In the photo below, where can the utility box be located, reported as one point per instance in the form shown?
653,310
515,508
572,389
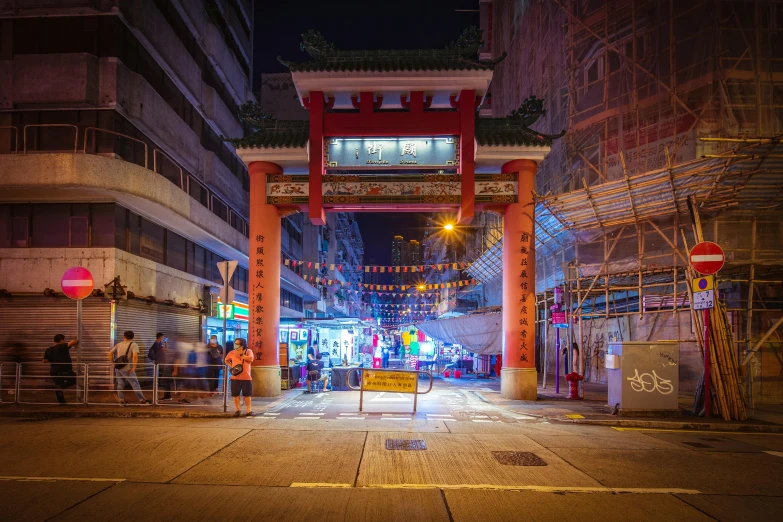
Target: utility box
643,376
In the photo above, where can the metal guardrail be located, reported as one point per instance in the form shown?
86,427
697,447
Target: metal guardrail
75,133
96,130
185,178
16,137
388,381
95,384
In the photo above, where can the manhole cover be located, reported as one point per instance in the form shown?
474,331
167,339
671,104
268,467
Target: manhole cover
697,445
518,458
405,444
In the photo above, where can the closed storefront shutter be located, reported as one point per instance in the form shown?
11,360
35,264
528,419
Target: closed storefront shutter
28,326
180,325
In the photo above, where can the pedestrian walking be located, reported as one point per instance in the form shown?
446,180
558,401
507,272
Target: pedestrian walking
238,361
385,358
159,354
215,357
125,356
61,370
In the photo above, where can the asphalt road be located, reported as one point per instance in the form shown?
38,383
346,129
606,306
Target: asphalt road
317,457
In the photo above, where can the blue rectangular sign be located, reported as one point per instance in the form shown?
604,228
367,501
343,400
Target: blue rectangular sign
374,153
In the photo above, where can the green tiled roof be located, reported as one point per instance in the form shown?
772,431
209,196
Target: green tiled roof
276,134
460,55
393,60
507,131
515,129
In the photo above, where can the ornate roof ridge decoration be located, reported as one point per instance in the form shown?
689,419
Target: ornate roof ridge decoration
458,55
269,132
515,128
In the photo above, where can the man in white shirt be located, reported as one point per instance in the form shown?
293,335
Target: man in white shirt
127,373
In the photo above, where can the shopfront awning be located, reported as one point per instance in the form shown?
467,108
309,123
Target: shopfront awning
481,334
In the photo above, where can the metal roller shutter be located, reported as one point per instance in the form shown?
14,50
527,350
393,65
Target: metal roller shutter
33,321
145,319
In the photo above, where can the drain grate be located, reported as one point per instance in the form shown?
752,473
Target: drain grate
405,444
518,458
697,445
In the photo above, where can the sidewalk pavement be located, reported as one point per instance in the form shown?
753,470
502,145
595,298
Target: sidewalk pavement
198,407
593,409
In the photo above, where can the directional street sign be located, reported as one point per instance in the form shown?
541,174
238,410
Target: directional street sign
77,283
707,257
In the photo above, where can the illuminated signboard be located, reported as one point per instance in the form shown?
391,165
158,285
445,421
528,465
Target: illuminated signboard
374,153
225,310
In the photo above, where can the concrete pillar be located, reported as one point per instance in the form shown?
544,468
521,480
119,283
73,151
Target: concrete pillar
518,379
264,283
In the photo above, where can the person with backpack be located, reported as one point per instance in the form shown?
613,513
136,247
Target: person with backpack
61,370
215,358
125,356
238,362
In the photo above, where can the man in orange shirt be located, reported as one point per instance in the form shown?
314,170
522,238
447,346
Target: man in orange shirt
241,382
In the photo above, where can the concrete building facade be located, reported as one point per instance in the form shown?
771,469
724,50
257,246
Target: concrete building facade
111,117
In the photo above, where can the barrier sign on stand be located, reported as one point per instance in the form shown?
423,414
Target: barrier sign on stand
397,381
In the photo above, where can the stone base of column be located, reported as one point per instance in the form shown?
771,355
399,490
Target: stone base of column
519,384
266,381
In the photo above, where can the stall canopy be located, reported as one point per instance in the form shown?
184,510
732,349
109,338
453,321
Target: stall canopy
479,333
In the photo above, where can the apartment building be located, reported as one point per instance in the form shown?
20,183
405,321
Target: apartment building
111,117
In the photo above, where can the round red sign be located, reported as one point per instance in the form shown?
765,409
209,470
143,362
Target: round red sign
77,283
707,257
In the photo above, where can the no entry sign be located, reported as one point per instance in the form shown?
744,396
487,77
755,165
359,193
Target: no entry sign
77,283
707,257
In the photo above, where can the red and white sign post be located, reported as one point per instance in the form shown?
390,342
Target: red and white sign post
77,283
707,258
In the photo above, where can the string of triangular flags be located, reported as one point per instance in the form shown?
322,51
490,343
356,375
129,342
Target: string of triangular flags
401,305
375,268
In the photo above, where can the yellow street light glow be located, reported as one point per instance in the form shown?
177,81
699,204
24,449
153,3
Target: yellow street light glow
420,287
448,226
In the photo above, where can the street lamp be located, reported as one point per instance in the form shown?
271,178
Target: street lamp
448,226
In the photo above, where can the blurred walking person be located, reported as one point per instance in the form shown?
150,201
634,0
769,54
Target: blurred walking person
159,354
125,356
61,370
215,359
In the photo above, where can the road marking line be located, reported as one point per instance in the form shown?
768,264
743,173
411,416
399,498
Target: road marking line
351,418
311,414
695,432
308,418
481,420
51,479
267,413
542,489
438,414
775,453
353,414
574,416
319,485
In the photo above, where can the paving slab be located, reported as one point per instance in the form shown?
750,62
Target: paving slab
773,442
137,502
462,459
41,500
706,442
280,458
719,473
635,441
154,454
512,506
730,508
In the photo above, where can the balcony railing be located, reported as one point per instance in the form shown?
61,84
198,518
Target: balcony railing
58,138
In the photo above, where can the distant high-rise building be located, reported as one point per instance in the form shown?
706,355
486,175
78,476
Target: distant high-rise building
398,250
412,253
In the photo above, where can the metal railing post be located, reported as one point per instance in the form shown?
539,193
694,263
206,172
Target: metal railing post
18,379
225,388
86,385
155,370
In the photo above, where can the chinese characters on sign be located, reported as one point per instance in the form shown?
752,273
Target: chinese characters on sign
524,245
379,380
257,296
345,153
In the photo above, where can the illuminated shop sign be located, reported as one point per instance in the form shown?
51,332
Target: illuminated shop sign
363,153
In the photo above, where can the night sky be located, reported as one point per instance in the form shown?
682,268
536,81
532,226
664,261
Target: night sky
361,24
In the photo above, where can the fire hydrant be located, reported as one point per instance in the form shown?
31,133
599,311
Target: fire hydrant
573,379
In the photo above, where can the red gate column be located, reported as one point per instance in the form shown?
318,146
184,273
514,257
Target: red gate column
264,282
518,377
